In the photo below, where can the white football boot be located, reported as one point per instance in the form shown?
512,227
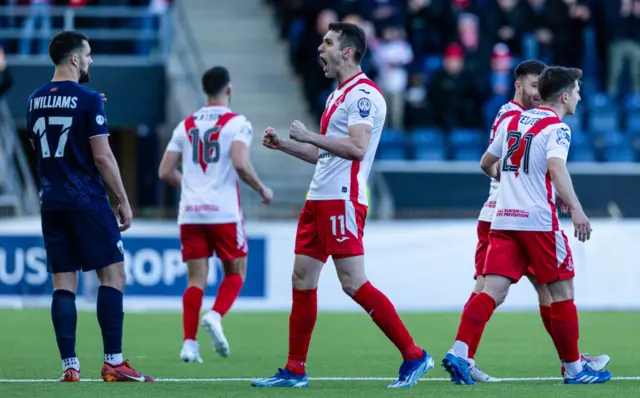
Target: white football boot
190,352
478,375
211,322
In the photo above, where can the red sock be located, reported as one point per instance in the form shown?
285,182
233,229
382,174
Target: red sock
564,325
227,293
385,316
191,304
304,312
473,295
545,314
473,347
474,318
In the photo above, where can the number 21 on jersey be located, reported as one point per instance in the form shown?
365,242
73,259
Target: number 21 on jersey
40,129
518,153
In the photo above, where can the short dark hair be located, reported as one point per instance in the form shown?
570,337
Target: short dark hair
63,44
215,80
529,67
351,36
555,80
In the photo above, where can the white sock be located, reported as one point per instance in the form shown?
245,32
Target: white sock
113,359
71,363
471,362
461,349
573,368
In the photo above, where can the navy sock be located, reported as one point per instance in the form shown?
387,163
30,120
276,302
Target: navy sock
110,318
65,319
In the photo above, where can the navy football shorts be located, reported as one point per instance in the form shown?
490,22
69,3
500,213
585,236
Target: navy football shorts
84,240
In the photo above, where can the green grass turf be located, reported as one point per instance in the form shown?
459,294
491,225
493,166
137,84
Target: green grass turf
343,345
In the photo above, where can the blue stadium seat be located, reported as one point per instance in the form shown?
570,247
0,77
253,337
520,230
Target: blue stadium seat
529,46
632,110
467,144
617,147
428,144
576,121
603,114
582,149
296,30
490,109
432,63
392,145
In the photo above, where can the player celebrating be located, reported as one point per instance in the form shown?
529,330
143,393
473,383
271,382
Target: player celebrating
526,230
214,146
68,129
332,220
526,97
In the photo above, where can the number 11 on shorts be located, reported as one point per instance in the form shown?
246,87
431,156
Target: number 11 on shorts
334,221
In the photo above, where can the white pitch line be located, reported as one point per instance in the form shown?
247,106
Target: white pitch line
217,380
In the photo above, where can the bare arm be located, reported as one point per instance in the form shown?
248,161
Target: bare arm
352,148
562,181
490,164
108,167
306,152
168,170
243,166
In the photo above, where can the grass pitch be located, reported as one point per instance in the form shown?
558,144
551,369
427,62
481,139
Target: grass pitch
349,356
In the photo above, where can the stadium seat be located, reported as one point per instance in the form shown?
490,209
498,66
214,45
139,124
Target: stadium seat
530,47
582,149
603,114
490,109
617,147
467,144
392,145
632,111
432,63
575,121
428,144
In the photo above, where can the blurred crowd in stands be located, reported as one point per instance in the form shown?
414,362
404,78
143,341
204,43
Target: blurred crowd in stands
446,65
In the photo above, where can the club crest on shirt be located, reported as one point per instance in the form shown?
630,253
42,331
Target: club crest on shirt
364,106
563,137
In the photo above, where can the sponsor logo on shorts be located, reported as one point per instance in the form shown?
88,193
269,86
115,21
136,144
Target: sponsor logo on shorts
120,246
342,239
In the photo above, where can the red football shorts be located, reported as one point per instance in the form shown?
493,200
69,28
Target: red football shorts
228,241
511,252
483,246
331,228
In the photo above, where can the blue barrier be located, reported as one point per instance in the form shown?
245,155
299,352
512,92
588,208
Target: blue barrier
154,268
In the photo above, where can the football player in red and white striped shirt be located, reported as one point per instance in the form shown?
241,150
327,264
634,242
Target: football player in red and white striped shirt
526,97
213,145
332,220
525,230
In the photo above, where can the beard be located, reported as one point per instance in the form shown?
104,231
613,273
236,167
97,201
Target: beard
83,76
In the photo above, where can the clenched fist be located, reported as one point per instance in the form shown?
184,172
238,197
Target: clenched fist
298,132
271,139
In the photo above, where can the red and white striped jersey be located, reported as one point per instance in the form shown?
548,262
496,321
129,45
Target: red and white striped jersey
527,196
356,101
509,109
210,192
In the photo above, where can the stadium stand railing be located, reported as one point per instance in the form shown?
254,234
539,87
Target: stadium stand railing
136,26
18,192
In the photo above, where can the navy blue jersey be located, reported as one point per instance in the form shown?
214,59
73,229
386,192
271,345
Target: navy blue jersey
62,118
